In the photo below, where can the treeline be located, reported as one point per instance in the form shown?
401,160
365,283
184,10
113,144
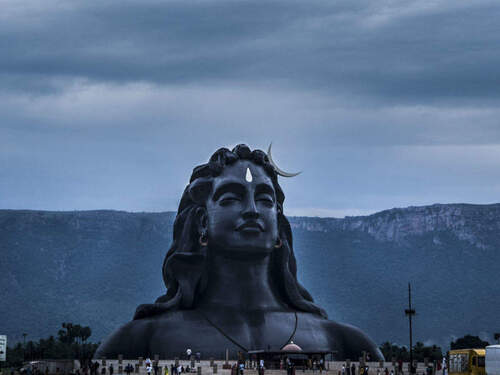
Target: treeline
420,351
71,343
469,341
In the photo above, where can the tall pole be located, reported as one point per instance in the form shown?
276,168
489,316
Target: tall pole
410,312
24,346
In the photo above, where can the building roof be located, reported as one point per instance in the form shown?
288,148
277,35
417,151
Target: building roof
291,347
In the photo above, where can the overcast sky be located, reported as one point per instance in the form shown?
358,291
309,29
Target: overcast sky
381,104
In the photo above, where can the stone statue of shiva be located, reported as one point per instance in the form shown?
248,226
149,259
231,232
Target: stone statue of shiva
231,274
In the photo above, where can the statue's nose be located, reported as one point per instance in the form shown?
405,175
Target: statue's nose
250,211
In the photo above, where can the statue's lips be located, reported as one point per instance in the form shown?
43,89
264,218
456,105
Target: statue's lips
250,226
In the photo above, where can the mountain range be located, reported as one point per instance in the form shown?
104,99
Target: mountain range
95,267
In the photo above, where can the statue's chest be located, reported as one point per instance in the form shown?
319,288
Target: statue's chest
272,331
305,330
212,334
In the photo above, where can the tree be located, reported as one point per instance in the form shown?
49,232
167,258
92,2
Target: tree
66,346
394,351
420,351
468,342
15,356
86,333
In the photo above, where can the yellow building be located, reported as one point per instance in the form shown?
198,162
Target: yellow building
466,362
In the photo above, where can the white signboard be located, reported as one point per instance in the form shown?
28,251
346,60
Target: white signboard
3,348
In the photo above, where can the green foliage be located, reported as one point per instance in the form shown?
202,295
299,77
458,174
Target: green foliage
468,342
70,344
393,351
420,351
73,332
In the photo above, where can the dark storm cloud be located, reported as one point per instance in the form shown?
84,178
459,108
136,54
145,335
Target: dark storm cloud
155,42
396,51
381,104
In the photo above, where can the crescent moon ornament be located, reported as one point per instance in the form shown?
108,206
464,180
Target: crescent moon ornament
279,171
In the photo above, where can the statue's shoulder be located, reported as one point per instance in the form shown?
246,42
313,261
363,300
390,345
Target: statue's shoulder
174,319
353,341
127,340
141,337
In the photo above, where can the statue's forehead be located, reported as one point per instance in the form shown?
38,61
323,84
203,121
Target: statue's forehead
237,172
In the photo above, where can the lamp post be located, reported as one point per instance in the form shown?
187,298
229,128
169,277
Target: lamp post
24,346
409,312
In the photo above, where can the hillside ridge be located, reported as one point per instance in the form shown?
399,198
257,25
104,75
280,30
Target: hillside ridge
95,267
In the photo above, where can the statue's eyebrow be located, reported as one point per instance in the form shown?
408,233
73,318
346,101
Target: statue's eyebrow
228,187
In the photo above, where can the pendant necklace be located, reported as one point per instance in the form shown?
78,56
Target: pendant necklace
221,331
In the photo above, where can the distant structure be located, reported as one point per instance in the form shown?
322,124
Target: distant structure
409,313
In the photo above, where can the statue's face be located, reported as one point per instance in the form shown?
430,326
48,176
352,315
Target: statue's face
242,214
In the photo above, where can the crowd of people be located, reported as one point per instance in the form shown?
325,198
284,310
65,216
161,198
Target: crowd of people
398,370
152,368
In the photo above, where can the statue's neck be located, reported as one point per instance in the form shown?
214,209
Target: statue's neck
240,284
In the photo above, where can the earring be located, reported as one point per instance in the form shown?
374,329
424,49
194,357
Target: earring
203,238
278,244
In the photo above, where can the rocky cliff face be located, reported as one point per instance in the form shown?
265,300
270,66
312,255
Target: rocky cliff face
475,224
95,267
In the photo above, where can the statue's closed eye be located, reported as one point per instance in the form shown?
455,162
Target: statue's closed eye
229,198
265,198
